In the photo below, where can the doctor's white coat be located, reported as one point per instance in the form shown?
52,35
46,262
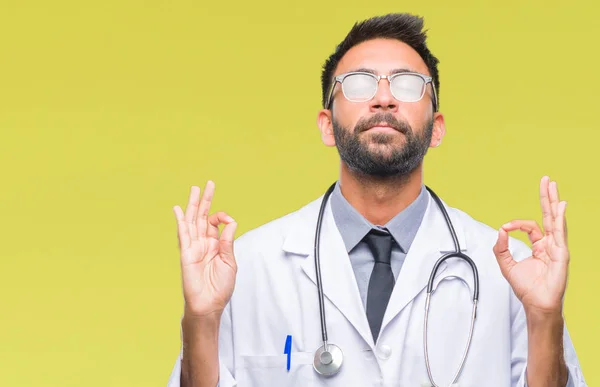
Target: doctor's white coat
276,296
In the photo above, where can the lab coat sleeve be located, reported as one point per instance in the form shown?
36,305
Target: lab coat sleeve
519,338
226,356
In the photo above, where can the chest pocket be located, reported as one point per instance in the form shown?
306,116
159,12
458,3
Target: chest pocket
262,371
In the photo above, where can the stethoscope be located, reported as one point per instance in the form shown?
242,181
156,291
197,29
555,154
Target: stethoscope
329,357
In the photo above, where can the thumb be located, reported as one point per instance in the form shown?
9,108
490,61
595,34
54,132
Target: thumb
226,242
502,253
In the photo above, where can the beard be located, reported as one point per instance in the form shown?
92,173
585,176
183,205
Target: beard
397,162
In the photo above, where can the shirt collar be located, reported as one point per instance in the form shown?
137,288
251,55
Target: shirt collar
353,226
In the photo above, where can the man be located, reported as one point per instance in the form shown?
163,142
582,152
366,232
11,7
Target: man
252,313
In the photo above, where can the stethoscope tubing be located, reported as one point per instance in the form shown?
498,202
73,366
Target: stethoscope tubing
457,253
318,264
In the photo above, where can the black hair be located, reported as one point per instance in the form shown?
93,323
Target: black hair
404,27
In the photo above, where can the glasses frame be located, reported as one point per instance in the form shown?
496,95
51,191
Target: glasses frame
340,78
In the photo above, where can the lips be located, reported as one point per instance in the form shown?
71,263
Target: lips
382,121
383,125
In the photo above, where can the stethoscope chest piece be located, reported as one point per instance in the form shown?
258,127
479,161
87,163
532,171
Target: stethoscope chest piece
328,359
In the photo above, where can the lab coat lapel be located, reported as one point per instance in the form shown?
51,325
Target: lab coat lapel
337,275
433,239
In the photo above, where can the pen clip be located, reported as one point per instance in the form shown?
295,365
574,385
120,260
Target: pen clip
288,350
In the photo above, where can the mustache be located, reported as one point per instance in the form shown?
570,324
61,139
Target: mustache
388,118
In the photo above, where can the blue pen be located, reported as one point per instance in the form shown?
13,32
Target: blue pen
288,351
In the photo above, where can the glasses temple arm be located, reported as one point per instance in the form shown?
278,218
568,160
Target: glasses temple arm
328,101
435,99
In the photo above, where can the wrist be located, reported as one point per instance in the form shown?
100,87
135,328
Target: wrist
204,318
543,318
205,312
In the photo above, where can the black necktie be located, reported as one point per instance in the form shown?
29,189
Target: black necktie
381,282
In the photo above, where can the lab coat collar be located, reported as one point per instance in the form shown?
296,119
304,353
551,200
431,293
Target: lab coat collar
339,283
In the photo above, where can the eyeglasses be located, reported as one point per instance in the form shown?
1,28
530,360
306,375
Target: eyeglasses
359,86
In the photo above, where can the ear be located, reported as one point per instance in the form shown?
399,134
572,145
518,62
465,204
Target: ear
439,130
325,124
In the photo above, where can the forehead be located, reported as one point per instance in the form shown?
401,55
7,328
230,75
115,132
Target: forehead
383,56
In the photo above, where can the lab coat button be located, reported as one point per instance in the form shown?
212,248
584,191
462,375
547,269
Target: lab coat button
384,352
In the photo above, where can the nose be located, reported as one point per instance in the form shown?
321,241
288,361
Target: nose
383,99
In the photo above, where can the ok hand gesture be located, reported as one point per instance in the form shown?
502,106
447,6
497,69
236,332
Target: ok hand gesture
208,264
540,280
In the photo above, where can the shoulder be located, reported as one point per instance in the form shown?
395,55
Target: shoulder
482,236
272,234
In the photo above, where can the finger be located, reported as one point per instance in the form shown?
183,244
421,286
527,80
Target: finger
502,253
560,226
547,219
553,193
529,226
226,242
191,211
182,228
214,221
204,209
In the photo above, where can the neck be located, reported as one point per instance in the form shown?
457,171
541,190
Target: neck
380,199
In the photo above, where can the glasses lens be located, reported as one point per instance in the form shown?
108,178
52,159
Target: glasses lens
408,87
359,87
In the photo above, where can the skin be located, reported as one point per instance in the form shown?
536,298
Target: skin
379,200
208,271
540,282
208,263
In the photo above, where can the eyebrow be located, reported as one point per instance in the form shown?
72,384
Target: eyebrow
395,71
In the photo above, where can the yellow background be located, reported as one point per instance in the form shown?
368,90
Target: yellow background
111,110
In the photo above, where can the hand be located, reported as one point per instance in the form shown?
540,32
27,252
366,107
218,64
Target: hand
208,264
540,280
